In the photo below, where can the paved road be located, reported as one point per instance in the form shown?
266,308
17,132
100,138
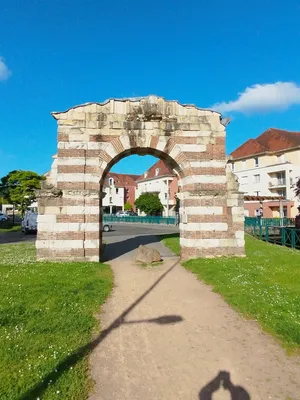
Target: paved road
120,232
165,335
15,237
125,239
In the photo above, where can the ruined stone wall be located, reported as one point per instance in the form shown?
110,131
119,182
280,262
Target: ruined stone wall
93,137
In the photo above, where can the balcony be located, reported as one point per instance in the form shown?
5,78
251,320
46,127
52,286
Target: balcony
277,183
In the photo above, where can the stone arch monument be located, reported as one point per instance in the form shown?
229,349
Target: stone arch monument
92,137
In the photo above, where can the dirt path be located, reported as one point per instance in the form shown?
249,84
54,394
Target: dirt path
145,357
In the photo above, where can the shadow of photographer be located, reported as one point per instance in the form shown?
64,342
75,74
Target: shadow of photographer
222,380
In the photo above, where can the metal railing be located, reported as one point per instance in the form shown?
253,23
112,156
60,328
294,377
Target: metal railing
139,219
280,231
251,221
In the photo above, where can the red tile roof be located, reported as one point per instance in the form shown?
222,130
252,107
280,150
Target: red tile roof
272,140
121,180
163,168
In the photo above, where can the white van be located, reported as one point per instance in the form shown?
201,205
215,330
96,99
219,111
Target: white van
29,222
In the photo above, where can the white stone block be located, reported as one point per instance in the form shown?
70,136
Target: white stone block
46,218
162,141
97,146
193,148
232,202
72,145
194,133
91,244
92,178
93,162
237,211
90,227
203,210
175,152
238,218
111,151
59,244
75,177
239,234
120,107
204,226
124,139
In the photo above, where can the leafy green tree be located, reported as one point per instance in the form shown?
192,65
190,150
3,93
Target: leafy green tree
127,206
149,203
18,188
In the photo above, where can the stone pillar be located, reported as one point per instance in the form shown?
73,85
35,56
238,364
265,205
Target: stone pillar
69,225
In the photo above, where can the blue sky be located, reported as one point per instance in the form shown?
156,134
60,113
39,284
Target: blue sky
60,53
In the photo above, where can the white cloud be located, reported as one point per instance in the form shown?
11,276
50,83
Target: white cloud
4,71
263,98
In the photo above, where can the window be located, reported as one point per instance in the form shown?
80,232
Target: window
282,192
280,158
256,178
166,195
281,178
156,171
244,180
110,200
111,181
232,166
256,162
117,190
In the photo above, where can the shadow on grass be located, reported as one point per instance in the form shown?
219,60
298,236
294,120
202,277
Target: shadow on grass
223,380
169,236
38,390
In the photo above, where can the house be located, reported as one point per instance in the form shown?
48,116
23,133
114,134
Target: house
267,169
119,189
160,179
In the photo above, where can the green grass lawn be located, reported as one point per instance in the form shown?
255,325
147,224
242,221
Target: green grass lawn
47,312
9,228
264,286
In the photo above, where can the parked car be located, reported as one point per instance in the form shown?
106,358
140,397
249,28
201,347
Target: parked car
121,214
29,222
131,213
107,227
3,217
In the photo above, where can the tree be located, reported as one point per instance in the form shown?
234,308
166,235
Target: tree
149,203
18,188
127,206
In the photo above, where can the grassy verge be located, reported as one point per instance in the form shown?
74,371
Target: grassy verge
47,312
9,228
264,286
172,242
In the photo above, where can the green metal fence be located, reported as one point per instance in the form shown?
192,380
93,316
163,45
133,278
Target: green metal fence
280,231
250,221
141,220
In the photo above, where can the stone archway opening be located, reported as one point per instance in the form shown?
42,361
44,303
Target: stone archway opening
158,184
92,137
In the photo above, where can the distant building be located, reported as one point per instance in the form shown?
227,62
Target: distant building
119,189
160,179
268,167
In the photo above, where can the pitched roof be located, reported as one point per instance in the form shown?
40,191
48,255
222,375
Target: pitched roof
163,170
272,140
121,180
